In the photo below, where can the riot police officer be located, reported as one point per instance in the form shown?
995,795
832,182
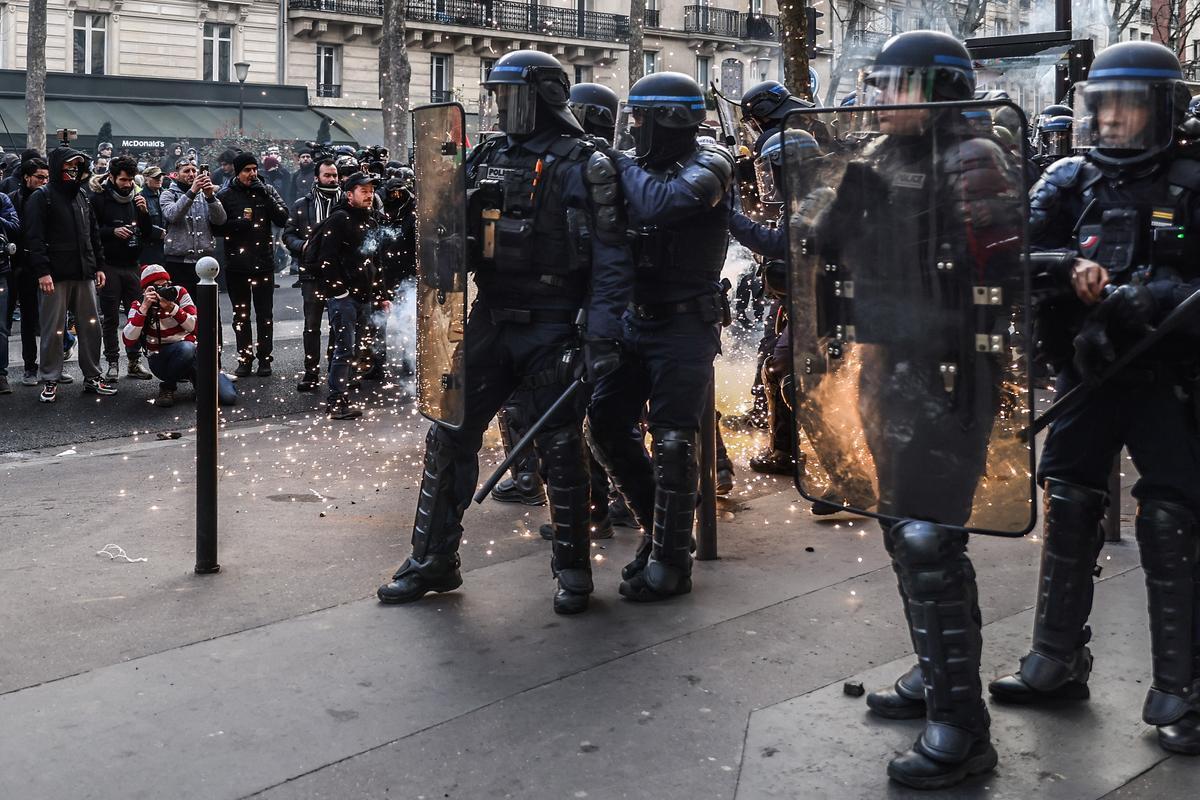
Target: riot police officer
764,107
926,209
1126,213
1053,135
596,107
532,281
677,194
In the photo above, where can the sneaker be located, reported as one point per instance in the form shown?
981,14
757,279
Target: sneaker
308,383
49,392
113,374
264,369
166,397
296,285
232,377
136,370
69,353
341,409
30,378
4,387
65,378
98,386
243,369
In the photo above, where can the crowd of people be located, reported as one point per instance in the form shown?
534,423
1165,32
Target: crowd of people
99,260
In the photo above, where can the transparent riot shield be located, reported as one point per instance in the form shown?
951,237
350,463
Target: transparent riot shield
909,290
439,150
739,138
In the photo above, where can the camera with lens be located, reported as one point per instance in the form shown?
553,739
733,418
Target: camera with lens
168,293
7,249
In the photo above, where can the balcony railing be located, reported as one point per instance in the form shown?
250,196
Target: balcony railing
652,19
440,95
503,15
329,90
712,21
760,27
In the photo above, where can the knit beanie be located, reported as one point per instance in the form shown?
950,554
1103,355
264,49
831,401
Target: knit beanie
152,273
242,161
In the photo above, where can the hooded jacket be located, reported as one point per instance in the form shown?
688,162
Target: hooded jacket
303,179
190,219
250,212
60,228
115,210
349,245
10,226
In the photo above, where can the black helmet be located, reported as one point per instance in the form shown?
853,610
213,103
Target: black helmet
764,105
526,83
666,109
1133,100
595,107
919,67
797,144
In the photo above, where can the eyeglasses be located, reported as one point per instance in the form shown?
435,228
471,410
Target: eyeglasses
40,178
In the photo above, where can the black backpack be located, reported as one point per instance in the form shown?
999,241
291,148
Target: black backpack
310,254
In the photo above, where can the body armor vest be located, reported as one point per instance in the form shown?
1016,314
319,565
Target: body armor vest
527,244
684,259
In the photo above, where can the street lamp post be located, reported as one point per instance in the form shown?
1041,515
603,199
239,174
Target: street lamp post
242,69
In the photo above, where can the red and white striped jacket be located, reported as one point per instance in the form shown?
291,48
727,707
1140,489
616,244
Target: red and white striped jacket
177,327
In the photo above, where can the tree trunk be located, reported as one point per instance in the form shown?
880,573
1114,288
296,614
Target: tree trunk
793,26
395,73
637,58
35,77
835,74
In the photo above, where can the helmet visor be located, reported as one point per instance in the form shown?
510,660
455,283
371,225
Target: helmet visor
1123,119
635,130
592,117
768,191
516,107
894,86
1055,143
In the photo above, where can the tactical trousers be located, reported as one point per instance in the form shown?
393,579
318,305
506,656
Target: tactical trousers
499,357
667,364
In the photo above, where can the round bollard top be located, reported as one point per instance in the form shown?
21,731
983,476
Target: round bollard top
207,269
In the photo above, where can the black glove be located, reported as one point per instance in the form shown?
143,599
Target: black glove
1094,351
1132,307
601,357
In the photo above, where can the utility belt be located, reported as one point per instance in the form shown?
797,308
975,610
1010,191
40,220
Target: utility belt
710,308
533,316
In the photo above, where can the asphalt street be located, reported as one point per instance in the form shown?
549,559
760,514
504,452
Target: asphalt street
76,418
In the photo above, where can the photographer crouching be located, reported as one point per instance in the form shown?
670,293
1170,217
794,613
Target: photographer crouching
164,322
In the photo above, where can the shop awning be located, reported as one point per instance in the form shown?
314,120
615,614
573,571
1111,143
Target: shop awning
362,125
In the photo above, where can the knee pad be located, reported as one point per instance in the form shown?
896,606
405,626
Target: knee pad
931,557
563,458
1072,515
1167,536
676,460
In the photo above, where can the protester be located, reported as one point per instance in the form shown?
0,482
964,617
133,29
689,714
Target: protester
66,254
191,210
251,209
275,175
152,247
10,228
163,322
22,280
352,282
304,176
122,216
308,213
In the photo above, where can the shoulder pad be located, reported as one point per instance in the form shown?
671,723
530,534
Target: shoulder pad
604,192
709,172
1071,172
1185,173
571,147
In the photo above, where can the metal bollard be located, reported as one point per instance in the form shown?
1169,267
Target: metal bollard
206,416
706,514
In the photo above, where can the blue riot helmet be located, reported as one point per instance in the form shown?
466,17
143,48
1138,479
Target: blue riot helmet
919,67
1054,136
665,110
1132,102
531,91
595,106
768,164
764,105
849,100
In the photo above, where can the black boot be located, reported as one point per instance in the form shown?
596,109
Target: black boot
668,571
1059,663
1169,542
905,699
418,577
562,452
524,488
437,528
943,609
623,457
525,484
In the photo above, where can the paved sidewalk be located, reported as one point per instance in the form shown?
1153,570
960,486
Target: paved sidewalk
282,677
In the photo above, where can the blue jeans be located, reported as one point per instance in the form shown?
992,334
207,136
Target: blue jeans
176,362
4,301
347,317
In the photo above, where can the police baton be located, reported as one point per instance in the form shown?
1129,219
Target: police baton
1080,393
520,446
